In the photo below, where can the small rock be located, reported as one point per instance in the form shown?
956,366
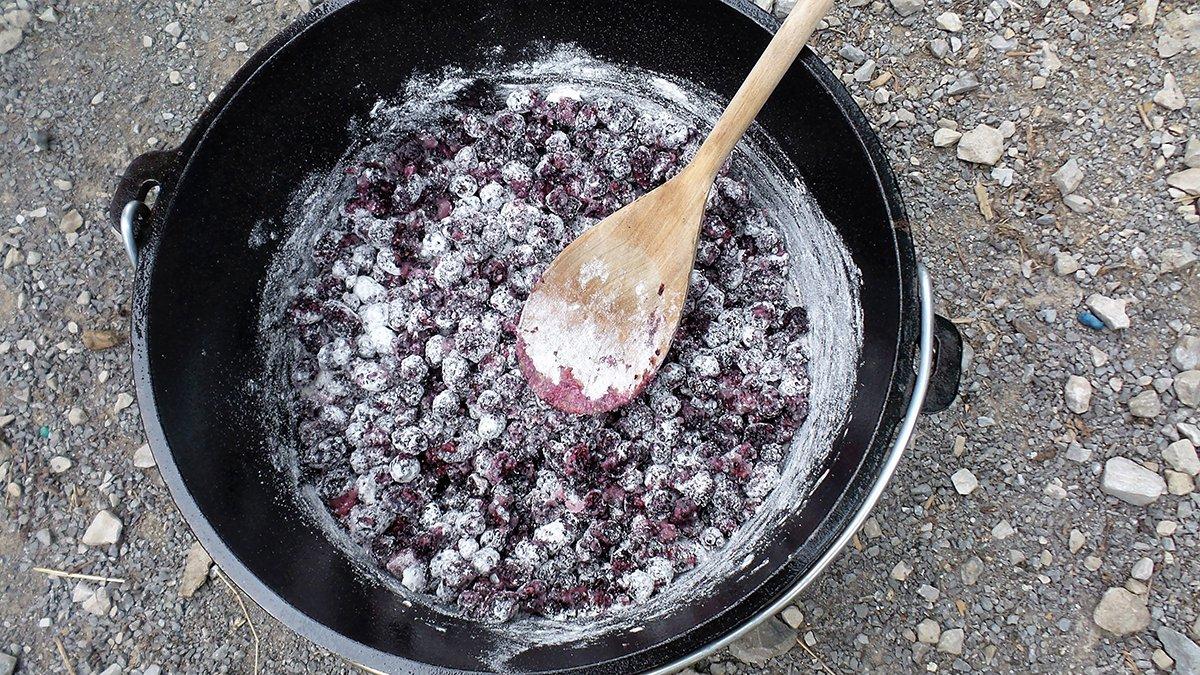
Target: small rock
1003,530
1176,259
195,570
964,481
1191,153
971,570
793,617
1185,652
1110,311
1181,456
1065,263
928,592
981,145
1068,177
104,530
1121,612
966,83
59,464
852,54
949,21
1162,661
1092,563
767,640
143,457
944,138
76,416
1170,96
1187,180
1079,203
1145,405
907,7
1079,9
174,29
929,632
8,664
1185,355
951,641
1179,483
9,39
99,602
1075,541
1166,528
124,400
1131,482
70,222
1077,394
901,571
98,340
1187,388
1143,569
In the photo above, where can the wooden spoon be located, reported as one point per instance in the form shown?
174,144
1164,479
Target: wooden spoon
599,322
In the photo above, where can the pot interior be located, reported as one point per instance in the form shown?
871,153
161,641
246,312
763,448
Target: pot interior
197,344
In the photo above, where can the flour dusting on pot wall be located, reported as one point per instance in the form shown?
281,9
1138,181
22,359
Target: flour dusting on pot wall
822,277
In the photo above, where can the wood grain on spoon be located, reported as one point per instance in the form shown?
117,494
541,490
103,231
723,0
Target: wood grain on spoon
601,319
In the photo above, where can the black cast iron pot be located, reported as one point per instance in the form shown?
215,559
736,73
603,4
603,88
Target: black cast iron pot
287,113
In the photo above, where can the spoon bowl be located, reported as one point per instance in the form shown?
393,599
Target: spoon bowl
599,322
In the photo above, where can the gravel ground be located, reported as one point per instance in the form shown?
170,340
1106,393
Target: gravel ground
1007,522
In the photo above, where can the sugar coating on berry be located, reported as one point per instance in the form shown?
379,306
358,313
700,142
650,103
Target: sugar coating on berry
414,424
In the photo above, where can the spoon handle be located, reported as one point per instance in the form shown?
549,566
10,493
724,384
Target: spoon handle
774,63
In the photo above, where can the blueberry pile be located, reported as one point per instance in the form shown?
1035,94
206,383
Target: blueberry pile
415,425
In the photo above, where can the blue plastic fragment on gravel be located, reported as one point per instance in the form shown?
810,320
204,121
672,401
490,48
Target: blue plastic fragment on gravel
1088,319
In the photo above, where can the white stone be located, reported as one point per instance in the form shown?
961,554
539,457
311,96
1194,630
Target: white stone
1179,483
1065,263
1187,388
1142,569
1131,482
929,632
99,602
792,616
1121,612
104,530
981,145
1110,311
1191,153
951,641
1185,355
143,457
907,7
901,571
1187,180
1077,393
1079,203
949,21
1075,541
1078,9
1068,177
944,138
195,570
964,481
1181,456
1170,96
1003,530
1146,405
1176,259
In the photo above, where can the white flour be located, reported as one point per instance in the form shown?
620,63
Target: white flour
824,280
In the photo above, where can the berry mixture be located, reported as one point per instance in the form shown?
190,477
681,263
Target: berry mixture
415,425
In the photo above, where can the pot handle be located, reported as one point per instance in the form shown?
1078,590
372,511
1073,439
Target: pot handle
128,210
947,366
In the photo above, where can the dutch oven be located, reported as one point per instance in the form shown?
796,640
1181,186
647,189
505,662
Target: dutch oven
287,113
